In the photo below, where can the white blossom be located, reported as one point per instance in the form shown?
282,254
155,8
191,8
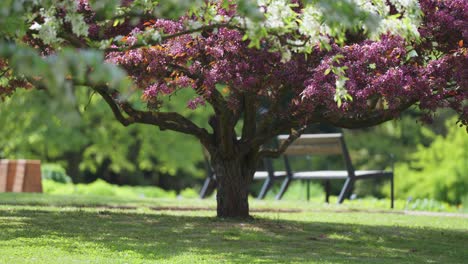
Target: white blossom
311,25
278,13
35,26
48,29
79,26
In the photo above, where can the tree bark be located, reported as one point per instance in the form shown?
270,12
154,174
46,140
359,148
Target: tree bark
233,177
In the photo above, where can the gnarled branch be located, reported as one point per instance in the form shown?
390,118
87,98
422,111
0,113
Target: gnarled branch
126,121
276,152
163,38
164,120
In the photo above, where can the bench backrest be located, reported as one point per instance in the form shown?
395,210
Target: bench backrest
318,144
313,144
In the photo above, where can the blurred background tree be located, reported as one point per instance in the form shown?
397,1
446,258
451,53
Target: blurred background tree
431,161
91,145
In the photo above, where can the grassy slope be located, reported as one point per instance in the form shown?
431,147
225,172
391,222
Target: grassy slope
45,234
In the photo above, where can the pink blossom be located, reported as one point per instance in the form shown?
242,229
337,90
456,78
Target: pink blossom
194,103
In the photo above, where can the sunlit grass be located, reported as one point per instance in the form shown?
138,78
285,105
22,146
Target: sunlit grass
315,203
57,231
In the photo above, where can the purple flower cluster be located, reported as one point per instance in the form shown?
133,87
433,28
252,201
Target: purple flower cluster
375,70
194,103
385,76
445,23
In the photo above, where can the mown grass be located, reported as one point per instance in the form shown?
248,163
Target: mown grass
315,203
48,233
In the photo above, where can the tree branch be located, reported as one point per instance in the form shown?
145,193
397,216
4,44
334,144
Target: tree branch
72,39
164,120
4,72
151,42
276,152
272,112
216,99
126,121
371,119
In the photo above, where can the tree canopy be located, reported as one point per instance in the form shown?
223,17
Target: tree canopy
272,66
88,141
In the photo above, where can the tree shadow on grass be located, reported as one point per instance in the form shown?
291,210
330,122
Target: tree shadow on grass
156,237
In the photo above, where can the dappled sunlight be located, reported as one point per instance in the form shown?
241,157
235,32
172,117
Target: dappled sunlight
173,236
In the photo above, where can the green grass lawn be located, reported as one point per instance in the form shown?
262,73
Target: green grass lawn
67,229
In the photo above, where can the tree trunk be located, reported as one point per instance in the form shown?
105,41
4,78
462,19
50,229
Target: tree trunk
233,178
73,160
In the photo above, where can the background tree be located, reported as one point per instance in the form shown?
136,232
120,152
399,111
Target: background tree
269,67
370,148
438,171
90,144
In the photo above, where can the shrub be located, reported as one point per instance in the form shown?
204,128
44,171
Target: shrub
427,205
149,191
54,172
102,188
98,187
189,193
52,187
438,172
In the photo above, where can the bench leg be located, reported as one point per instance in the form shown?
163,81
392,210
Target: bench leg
207,187
265,187
392,192
345,190
283,188
308,190
327,191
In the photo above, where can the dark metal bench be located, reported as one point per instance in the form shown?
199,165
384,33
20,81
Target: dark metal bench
327,144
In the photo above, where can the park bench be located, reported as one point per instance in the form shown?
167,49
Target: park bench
327,144
306,145
268,176
20,176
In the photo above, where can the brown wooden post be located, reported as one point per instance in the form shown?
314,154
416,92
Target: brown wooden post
33,180
3,175
20,176
11,172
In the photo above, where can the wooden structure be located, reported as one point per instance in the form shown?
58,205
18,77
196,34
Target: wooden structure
20,176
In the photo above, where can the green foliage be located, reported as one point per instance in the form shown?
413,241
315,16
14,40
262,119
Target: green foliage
34,127
102,188
54,172
464,204
56,188
427,205
438,171
189,193
371,148
31,130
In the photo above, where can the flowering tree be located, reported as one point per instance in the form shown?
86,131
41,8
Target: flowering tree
262,67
